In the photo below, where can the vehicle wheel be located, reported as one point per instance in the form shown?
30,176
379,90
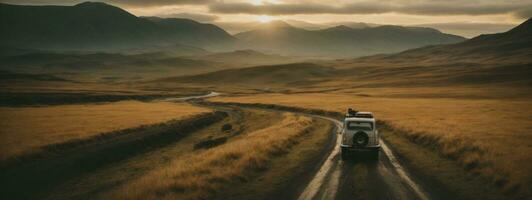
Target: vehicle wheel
375,154
344,154
360,139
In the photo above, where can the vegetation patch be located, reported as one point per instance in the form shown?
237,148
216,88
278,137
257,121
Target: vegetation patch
210,143
474,159
18,99
26,130
441,173
32,174
202,174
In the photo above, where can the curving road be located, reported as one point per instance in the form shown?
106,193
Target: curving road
354,179
175,99
362,178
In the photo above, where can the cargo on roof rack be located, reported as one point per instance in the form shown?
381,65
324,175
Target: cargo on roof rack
357,114
350,112
364,115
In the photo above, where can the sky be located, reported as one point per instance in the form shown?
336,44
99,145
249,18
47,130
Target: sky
468,18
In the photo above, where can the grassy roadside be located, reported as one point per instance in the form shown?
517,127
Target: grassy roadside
27,130
37,174
209,173
441,174
284,170
461,178
92,186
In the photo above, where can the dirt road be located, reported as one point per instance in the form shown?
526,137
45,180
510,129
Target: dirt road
362,178
359,178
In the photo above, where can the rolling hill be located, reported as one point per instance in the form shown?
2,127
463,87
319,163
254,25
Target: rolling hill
6,76
511,47
105,66
269,75
246,58
341,41
188,31
98,26
500,59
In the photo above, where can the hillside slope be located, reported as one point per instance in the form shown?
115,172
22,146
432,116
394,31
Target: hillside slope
260,75
500,58
511,47
98,26
247,58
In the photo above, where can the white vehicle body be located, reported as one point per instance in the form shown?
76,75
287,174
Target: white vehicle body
360,133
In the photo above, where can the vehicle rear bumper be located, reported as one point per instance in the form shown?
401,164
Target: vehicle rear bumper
356,148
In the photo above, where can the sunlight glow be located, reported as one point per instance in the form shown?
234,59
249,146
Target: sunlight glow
262,2
264,18
256,2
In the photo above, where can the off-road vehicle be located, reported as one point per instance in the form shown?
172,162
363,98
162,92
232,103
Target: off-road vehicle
359,134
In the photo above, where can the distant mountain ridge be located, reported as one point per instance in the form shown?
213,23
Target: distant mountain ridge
341,40
98,26
513,46
95,26
495,59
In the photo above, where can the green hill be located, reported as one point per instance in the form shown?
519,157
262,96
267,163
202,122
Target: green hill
260,75
98,27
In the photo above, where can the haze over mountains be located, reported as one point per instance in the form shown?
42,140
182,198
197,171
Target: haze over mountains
513,47
502,58
341,40
101,27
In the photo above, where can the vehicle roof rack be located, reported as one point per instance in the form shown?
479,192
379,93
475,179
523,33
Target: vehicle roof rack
364,115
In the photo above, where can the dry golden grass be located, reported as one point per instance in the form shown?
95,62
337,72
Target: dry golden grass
26,129
200,175
488,136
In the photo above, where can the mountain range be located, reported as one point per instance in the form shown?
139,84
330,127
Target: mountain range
341,40
99,26
502,58
511,47
94,26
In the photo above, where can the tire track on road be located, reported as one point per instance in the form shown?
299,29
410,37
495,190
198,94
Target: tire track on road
326,180
392,180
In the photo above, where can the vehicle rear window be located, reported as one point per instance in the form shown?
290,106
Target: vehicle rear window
365,126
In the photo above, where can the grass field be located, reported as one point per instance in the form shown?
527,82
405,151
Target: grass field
490,137
25,129
201,175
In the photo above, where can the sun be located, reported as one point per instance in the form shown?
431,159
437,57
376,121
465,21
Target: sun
256,2
262,2
264,18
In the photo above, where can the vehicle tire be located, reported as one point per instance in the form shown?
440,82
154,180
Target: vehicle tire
344,154
375,154
360,139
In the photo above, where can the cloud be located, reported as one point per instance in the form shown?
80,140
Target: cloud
292,9
129,3
142,3
518,8
374,7
525,13
193,16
